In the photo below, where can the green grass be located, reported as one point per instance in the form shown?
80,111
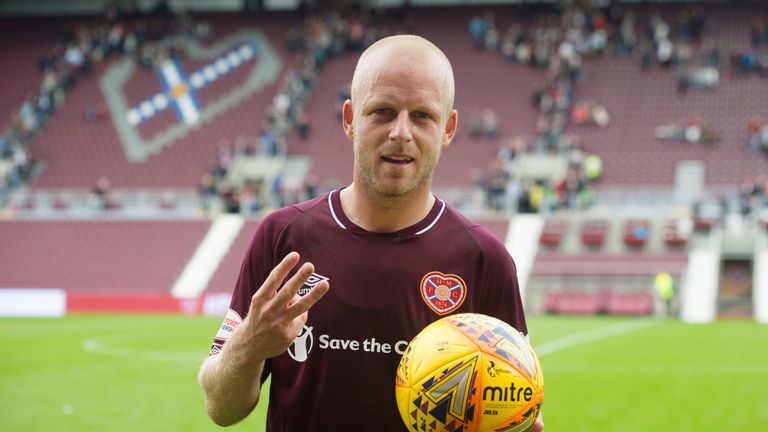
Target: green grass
665,376
139,373
141,377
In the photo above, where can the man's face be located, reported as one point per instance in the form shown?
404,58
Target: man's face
400,122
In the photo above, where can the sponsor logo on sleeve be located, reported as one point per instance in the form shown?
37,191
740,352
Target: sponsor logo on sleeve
443,293
231,322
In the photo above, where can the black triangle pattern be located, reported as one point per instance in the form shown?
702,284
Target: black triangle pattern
440,411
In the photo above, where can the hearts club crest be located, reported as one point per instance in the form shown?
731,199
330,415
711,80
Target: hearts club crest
443,293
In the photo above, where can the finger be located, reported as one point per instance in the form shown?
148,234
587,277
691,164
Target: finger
276,277
538,426
309,300
293,285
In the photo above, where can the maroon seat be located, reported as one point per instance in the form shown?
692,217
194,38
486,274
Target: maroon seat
639,302
593,232
574,302
128,257
636,232
553,231
705,224
672,237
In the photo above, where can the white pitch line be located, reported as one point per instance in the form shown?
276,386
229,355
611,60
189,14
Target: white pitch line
593,335
681,369
109,346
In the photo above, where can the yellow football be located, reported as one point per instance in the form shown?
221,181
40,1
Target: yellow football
469,373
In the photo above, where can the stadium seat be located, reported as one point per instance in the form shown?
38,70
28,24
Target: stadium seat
593,232
638,302
636,233
553,231
673,237
703,224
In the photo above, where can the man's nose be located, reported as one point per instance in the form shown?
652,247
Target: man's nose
401,130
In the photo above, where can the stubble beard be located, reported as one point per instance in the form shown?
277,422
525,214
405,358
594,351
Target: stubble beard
376,182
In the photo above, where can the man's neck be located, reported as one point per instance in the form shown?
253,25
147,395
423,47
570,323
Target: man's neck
385,214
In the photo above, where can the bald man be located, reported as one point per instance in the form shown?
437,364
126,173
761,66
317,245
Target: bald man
364,259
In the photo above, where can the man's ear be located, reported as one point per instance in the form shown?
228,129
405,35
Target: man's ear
347,117
450,128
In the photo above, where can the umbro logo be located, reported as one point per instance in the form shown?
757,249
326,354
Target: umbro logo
311,282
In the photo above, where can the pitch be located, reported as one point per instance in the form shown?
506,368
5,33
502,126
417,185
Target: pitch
138,372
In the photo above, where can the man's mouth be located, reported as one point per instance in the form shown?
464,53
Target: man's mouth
399,160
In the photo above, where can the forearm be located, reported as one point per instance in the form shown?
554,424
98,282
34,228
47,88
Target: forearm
231,379
231,383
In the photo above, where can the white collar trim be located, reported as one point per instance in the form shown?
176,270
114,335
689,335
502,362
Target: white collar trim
333,213
437,218
422,231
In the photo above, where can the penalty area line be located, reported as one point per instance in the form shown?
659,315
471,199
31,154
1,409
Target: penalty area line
593,335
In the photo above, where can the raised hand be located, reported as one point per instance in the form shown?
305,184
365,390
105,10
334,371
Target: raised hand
277,313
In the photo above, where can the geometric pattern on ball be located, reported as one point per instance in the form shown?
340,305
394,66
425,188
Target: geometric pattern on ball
469,373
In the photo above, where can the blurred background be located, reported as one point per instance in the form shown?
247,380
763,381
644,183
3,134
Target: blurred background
618,148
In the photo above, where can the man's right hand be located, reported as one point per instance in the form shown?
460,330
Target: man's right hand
231,380
277,313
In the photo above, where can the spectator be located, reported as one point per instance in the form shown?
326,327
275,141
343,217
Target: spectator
102,194
206,191
664,285
475,125
496,186
230,197
593,167
490,123
757,137
477,28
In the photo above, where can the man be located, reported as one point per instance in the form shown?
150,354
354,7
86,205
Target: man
380,242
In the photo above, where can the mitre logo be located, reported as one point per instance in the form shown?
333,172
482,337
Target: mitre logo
181,84
443,293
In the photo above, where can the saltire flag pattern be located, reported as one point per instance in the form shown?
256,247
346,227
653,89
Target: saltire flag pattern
180,90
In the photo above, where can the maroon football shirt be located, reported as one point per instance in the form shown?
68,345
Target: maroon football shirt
339,374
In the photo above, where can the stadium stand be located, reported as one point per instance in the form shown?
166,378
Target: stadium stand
97,256
78,152
609,225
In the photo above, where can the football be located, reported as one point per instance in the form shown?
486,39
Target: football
470,373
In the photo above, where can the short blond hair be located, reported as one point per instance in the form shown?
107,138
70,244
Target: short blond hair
402,45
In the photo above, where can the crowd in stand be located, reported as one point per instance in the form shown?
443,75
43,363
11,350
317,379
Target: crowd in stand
690,129
484,124
323,34
558,45
75,51
757,137
753,198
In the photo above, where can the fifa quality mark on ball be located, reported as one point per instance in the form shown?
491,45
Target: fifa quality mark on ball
470,371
